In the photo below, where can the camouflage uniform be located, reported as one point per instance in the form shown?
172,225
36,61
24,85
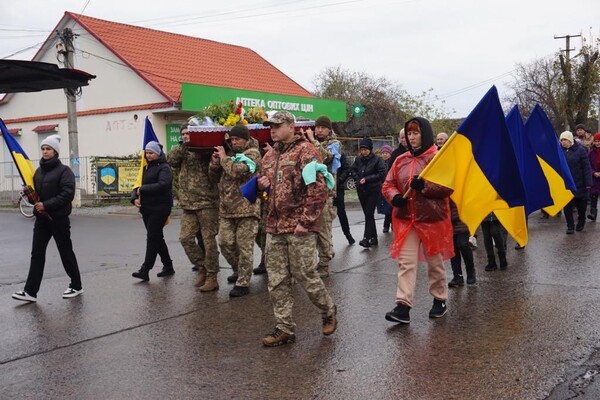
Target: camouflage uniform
238,218
292,203
261,236
325,237
198,198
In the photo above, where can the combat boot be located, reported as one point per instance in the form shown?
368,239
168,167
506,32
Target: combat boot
201,277
593,214
261,269
210,284
330,323
503,262
278,337
323,271
491,265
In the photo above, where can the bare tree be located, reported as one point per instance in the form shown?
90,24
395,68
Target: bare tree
565,90
387,106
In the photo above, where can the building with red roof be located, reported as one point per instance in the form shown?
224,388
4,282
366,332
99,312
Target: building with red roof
140,72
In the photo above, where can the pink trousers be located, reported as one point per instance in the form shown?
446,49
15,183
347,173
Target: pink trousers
407,273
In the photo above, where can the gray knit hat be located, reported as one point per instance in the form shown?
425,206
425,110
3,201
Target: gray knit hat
154,147
52,141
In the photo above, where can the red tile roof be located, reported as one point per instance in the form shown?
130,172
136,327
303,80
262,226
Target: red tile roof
166,60
151,106
45,128
14,131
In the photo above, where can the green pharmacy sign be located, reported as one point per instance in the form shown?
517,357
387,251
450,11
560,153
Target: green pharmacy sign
197,97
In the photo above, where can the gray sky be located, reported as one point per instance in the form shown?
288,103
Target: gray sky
458,48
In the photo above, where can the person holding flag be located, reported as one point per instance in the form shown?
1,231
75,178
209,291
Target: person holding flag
420,221
55,186
154,198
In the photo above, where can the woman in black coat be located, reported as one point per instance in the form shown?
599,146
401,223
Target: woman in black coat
369,173
155,199
579,165
55,185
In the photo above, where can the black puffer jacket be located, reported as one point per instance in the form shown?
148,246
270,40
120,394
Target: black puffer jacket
156,192
55,184
372,168
579,164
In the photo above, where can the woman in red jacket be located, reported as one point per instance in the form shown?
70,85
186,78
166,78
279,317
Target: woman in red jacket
420,221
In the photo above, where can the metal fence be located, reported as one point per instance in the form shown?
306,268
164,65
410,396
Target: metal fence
11,183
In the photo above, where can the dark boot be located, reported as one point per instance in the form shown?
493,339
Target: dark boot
261,269
593,214
350,238
365,243
141,274
503,262
232,278
491,265
458,280
166,271
471,276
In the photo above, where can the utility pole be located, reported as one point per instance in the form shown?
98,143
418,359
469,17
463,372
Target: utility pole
66,48
567,51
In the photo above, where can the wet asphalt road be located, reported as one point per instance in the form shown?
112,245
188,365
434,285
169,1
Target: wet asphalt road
531,332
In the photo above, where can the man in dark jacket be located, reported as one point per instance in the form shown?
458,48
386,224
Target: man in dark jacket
55,184
369,173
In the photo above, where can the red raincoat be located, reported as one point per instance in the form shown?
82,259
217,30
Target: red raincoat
427,212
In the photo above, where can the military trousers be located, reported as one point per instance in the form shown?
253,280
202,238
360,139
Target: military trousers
207,222
294,256
236,239
325,236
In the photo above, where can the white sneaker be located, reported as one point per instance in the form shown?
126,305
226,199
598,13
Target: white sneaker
24,296
473,242
70,293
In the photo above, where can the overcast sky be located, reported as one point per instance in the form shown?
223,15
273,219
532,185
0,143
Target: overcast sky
458,48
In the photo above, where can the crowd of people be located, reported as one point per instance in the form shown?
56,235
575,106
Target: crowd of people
298,193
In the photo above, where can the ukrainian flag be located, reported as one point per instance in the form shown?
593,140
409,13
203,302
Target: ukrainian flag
478,162
546,146
537,190
149,136
22,162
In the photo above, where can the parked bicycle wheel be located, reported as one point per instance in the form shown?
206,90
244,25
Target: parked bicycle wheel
25,207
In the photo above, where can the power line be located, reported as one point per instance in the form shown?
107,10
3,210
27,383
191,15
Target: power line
475,85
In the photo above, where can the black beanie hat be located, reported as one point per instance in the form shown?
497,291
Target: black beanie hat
323,121
366,142
240,131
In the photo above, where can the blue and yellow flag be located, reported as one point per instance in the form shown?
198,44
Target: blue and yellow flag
546,146
478,162
537,190
22,162
149,136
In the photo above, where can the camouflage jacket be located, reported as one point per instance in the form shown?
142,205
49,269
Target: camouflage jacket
195,192
230,176
291,202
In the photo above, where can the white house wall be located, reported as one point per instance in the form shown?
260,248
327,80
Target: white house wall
116,85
